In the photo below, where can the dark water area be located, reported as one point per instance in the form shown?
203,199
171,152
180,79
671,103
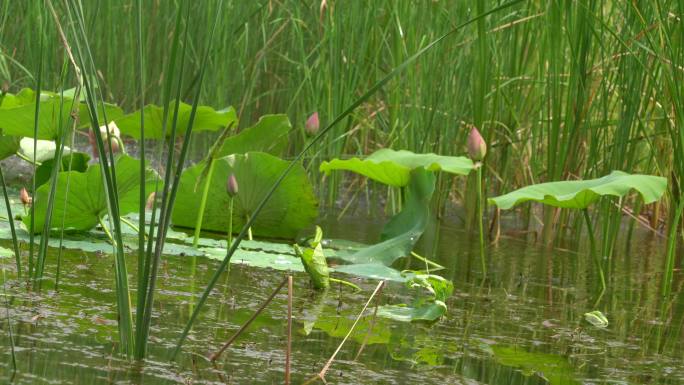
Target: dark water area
523,324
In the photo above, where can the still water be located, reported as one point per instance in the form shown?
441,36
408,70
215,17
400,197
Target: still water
523,324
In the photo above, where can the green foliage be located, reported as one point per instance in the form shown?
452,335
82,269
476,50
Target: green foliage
9,145
268,135
78,161
314,261
17,114
394,167
207,119
596,318
87,201
579,194
292,207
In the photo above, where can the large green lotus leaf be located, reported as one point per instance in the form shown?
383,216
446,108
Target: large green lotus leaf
25,96
394,167
371,270
257,259
17,114
8,145
402,232
269,135
314,261
579,194
206,119
87,201
77,160
291,208
6,253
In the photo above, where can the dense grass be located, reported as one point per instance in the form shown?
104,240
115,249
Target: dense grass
560,90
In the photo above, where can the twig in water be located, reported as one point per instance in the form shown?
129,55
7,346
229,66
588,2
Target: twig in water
370,326
321,374
225,346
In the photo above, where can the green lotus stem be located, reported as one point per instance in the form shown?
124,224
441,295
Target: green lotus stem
106,230
230,222
345,283
131,225
480,209
592,241
249,229
436,265
203,203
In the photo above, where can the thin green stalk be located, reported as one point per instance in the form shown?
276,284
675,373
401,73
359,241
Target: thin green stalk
35,148
203,202
373,89
230,222
10,334
672,249
10,219
480,209
594,253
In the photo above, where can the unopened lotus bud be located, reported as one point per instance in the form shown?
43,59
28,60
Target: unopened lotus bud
477,148
25,198
149,204
114,133
232,186
312,124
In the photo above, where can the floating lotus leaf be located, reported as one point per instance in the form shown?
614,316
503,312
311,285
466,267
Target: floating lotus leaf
268,135
291,208
394,167
206,119
553,368
87,200
579,194
17,114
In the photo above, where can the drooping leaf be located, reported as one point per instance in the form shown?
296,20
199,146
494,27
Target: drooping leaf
579,194
17,114
206,119
314,261
78,161
87,200
268,135
404,229
45,149
394,167
292,207
371,270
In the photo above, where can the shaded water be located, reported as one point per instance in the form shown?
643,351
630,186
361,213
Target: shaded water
523,325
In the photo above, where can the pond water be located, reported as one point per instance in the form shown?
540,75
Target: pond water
522,325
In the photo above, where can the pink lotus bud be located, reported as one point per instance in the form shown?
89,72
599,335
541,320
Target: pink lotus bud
115,137
25,198
477,148
149,204
312,124
232,186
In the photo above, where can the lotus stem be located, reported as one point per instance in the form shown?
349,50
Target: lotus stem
480,209
203,203
597,259
230,222
427,262
131,225
288,352
343,282
249,229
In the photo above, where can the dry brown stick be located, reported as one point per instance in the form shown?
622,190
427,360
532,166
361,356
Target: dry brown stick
370,326
321,374
225,346
288,353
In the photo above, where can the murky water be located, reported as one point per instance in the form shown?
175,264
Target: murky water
522,325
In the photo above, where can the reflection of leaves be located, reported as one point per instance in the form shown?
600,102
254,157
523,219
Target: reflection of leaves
429,308
554,368
579,194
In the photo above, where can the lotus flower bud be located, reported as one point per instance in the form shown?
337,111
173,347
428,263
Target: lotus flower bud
477,148
312,124
115,134
149,204
232,186
25,198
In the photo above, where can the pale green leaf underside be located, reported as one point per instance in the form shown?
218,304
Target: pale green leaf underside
579,194
394,167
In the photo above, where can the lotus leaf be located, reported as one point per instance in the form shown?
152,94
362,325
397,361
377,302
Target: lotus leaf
579,194
394,167
268,135
291,208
